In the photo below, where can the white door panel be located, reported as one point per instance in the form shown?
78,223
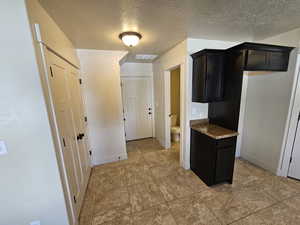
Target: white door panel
69,117
78,112
64,120
294,170
137,105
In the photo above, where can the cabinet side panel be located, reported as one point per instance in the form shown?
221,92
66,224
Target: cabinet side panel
226,113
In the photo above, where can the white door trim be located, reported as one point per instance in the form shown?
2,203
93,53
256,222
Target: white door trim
291,124
45,75
184,119
167,89
294,164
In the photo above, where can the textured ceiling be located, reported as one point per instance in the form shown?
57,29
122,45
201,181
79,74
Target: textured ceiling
96,24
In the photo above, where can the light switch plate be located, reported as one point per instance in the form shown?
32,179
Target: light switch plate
3,149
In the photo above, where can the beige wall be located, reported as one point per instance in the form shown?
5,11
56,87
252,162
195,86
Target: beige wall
173,57
290,38
175,93
102,90
29,177
50,33
130,69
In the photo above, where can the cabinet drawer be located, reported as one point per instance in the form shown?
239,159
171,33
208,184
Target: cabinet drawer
227,142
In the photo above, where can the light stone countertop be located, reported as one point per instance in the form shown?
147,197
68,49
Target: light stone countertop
212,130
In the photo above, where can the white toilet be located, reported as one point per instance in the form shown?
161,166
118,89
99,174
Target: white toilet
175,130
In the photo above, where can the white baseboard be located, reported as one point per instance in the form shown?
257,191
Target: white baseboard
258,163
110,159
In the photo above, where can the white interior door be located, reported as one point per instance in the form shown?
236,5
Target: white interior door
69,117
294,170
137,105
79,120
66,129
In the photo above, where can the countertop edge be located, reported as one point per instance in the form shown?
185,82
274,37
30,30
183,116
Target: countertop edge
199,125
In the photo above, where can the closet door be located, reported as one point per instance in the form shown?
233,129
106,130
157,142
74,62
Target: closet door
79,119
66,127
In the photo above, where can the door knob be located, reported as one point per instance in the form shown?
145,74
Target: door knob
149,113
80,136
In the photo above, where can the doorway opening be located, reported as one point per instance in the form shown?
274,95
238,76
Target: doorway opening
178,91
175,108
137,97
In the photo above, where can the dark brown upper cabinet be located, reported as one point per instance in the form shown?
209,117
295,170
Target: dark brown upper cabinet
208,75
262,57
209,67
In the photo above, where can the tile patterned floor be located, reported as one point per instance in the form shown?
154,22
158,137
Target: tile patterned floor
151,189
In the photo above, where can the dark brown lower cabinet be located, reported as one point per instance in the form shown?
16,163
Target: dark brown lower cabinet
212,160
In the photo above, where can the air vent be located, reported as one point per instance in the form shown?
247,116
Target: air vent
145,57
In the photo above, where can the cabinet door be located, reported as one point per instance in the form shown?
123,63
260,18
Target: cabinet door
208,76
278,61
214,77
256,60
199,79
194,154
203,157
267,60
225,164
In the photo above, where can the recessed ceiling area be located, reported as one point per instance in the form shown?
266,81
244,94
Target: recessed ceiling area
96,24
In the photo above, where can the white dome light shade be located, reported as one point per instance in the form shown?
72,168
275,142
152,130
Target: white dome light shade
130,38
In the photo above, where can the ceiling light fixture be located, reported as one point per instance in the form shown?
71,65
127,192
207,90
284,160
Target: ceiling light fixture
130,38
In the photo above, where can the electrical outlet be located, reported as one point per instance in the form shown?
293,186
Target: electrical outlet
35,223
3,149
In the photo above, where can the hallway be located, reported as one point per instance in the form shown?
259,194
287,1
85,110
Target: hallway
150,188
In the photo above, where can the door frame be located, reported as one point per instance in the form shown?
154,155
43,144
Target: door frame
45,80
152,99
294,147
167,109
167,84
291,124
45,73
